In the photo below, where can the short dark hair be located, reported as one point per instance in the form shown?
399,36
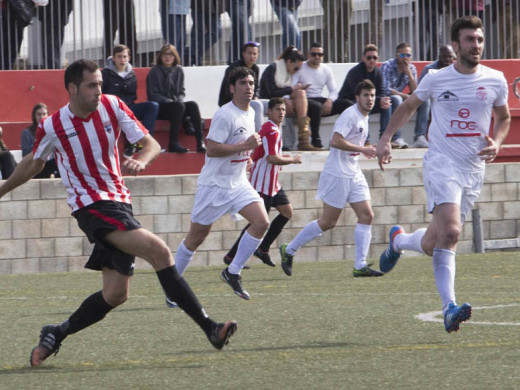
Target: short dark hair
316,44
274,101
365,84
403,45
120,49
370,47
250,44
470,21
240,73
74,72
291,54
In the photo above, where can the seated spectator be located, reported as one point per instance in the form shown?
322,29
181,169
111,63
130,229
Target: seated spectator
39,112
446,57
317,76
7,161
165,85
249,58
119,79
367,70
398,73
276,81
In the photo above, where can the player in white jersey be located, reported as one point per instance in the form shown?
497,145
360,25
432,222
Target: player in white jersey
463,96
267,162
83,136
342,181
223,187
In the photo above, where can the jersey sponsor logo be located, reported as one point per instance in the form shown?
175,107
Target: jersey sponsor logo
447,96
107,126
481,93
73,134
240,131
461,124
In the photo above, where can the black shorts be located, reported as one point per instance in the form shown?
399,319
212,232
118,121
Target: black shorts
279,199
100,218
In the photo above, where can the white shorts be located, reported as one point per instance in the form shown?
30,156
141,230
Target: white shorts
337,191
445,183
212,202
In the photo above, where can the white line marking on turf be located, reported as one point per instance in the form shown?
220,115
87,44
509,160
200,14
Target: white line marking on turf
432,316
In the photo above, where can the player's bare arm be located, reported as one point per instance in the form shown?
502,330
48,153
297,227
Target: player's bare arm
24,171
277,159
341,143
215,149
502,120
151,149
399,118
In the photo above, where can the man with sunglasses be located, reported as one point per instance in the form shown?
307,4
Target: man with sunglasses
367,70
316,76
398,73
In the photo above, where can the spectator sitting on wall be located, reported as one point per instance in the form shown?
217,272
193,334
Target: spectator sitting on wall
165,85
367,70
317,76
249,58
276,81
50,169
119,79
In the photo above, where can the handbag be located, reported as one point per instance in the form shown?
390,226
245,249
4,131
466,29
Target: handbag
23,10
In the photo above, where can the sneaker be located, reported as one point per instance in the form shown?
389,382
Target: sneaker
228,260
287,260
399,144
220,333
264,256
421,142
365,271
389,257
235,282
454,315
171,304
47,346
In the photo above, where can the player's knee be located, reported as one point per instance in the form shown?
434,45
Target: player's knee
116,298
450,234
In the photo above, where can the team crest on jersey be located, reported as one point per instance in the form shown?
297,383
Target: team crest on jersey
240,131
360,130
447,96
107,126
481,93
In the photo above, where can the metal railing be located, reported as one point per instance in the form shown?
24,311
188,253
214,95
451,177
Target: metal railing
211,32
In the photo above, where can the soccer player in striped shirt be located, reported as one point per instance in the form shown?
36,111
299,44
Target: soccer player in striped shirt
83,137
267,162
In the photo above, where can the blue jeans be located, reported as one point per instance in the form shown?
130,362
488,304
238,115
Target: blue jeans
239,11
174,31
147,113
206,30
421,122
396,101
290,31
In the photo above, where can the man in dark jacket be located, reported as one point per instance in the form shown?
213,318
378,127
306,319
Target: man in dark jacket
249,58
119,79
367,69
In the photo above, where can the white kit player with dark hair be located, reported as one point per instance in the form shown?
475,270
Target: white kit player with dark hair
342,181
83,136
463,96
223,187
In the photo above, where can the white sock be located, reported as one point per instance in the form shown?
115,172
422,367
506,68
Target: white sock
444,272
362,238
246,248
309,233
182,258
410,241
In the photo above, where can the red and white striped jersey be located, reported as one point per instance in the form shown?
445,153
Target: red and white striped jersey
264,176
86,150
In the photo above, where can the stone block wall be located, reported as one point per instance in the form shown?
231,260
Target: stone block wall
38,234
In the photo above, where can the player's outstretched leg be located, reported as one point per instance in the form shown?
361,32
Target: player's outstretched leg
235,282
455,315
220,333
49,344
390,256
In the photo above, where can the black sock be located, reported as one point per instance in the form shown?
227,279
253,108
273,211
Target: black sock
274,231
92,310
178,290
